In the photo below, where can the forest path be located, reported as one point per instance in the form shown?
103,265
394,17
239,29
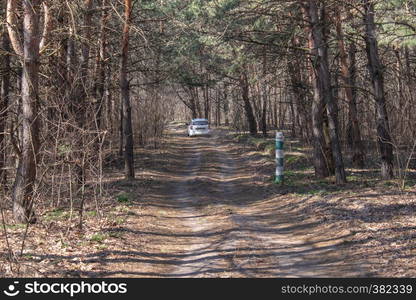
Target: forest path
229,225
210,211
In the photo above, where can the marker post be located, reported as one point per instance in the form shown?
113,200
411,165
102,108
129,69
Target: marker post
279,157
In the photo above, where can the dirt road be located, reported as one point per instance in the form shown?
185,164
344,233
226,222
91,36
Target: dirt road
224,223
209,209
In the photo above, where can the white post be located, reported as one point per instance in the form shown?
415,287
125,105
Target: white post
279,157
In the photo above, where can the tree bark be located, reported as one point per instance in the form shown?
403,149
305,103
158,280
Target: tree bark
317,16
100,77
321,160
4,102
264,112
23,188
264,95
82,88
71,70
348,79
125,95
251,119
226,105
320,37
207,104
376,72
13,26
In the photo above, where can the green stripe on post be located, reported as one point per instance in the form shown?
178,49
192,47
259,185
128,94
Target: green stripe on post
279,145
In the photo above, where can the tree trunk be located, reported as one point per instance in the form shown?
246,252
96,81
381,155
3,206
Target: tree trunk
298,87
99,88
82,88
318,20
4,102
120,129
207,106
376,72
193,107
293,118
125,95
275,110
23,188
321,160
80,79
197,102
251,119
226,105
348,79
218,110
71,65
264,112
263,91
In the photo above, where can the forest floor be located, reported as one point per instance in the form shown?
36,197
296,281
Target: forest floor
208,207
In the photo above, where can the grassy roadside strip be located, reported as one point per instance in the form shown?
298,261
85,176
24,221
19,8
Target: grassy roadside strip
299,172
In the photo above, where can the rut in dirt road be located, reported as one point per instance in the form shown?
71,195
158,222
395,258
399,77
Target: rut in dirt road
208,251
235,229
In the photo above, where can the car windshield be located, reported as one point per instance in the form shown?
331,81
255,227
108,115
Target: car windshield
200,123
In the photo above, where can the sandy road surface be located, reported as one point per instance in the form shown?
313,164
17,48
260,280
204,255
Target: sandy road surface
210,211
234,229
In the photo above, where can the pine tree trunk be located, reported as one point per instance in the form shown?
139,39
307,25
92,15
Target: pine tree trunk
376,72
125,96
207,106
264,112
317,15
251,119
226,106
193,107
348,79
331,105
298,91
321,159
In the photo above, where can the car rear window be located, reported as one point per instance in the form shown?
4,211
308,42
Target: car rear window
200,123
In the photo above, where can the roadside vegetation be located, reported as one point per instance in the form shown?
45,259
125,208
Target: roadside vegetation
95,94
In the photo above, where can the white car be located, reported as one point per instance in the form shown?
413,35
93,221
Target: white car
198,127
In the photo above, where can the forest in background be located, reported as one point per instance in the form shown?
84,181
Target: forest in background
84,82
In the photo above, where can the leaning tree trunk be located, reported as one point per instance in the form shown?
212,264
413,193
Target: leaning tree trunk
376,72
125,96
23,188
